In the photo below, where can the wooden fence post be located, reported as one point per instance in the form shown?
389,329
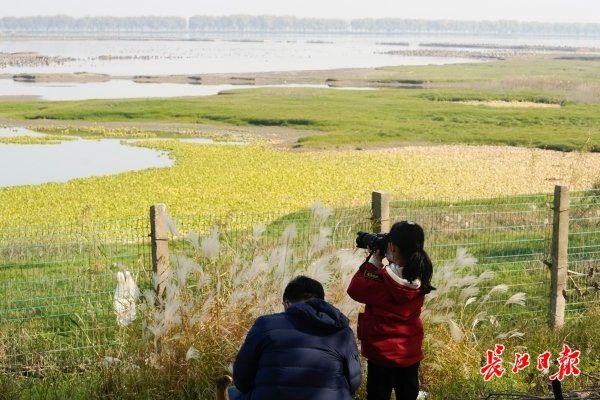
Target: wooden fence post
159,237
560,248
380,209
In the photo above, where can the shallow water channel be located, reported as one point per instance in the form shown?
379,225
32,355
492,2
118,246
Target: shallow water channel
113,89
125,89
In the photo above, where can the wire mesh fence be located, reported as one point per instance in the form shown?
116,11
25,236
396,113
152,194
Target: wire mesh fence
236,230
57,282
57,285
583,286
509,236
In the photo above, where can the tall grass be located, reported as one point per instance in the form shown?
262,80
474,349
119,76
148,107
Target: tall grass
213,293
183,339
190,332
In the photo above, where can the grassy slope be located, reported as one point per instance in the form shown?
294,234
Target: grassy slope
384,116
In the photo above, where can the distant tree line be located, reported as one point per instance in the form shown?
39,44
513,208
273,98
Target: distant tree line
64,23
268,23
474,27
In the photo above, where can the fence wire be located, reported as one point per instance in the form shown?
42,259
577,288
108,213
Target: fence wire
57,282
509,236
57,285
583,286
269,230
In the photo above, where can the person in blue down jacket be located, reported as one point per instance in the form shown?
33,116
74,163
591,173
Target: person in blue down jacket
307,352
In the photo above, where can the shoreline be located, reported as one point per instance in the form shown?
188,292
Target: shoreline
342,77
373,77
276,136
336,77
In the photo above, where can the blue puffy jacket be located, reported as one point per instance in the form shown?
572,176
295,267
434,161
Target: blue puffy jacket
307,353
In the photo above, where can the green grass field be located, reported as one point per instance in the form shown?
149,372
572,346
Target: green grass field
353,118
391,115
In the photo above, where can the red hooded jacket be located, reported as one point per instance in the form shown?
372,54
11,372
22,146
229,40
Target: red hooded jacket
390,329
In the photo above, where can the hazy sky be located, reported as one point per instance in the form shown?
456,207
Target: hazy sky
524,10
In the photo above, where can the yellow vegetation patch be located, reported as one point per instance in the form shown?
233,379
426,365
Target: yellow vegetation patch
34,139
218,179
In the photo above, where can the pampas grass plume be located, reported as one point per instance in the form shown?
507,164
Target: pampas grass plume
257,231
517,298
192,354
211,245
194,239
290,233
320,212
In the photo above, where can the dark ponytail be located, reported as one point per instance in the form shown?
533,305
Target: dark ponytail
410,239
419,266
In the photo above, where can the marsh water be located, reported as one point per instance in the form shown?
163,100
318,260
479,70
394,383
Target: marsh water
123,89
231,53
220,53
32,164
224,54
113,89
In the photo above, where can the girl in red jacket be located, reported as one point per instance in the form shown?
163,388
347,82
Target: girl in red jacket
390,328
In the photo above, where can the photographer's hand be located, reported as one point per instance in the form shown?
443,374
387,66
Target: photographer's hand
376,258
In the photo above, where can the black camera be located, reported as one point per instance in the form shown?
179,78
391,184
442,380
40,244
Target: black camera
373,241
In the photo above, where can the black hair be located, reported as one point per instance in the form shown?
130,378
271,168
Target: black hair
303,288
410,240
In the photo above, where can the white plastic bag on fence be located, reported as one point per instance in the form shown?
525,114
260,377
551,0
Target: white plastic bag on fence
126,295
